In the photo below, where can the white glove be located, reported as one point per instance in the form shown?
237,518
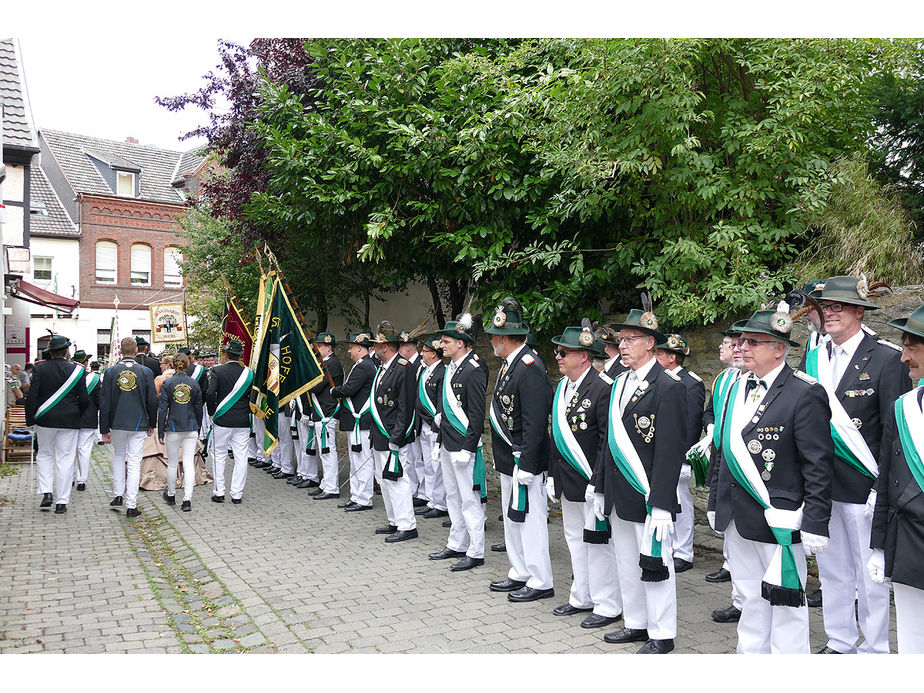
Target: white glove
813,543
710,516
660,524
393,447
437,419
598,507
589,494
870,507
875,566
550,489
435,453
703,446
522,477
461,457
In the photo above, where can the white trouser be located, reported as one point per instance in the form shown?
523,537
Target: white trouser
415,470
909,618
362,470
843,575
284,454
206,422
683,527
595,575
173,441
127,448
763,628
650,606
432,489
466,511
57,455
85,440
259,429
735,592
307,462
236,439
528,542
330,483
399,507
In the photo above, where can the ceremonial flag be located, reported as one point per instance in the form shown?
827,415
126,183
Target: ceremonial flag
115,348
286,365
235,326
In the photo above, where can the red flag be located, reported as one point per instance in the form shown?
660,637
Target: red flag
235,326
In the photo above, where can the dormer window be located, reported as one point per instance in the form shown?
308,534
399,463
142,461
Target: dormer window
125,184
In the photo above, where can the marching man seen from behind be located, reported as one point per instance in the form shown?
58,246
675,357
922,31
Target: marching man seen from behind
179,418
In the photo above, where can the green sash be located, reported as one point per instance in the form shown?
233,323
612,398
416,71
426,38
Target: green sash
458,419
392,470
720,390
241,386
324,420
910,423
60,393
422,391
92,381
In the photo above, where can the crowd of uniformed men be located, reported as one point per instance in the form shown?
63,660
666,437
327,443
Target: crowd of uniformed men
826,460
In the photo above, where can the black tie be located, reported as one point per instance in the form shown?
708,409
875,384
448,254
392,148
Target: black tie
751,384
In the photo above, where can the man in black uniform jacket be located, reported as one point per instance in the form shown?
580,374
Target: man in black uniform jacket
429,394
57,398
323,409
89,421
144,356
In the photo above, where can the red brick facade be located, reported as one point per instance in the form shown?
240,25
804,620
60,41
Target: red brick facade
126,222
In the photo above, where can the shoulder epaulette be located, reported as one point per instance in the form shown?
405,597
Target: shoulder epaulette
605,378
672,375
403,361
475,357
528,359
801,375
694,376
886,342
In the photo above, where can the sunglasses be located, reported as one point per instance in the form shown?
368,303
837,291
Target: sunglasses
561,353
752,342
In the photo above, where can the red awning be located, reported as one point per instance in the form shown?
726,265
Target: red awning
39,296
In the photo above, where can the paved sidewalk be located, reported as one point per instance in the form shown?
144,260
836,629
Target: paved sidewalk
283,573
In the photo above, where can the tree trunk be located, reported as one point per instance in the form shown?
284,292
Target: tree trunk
367,300
437,304
456,296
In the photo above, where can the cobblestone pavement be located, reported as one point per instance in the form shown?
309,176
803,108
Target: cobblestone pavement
283,573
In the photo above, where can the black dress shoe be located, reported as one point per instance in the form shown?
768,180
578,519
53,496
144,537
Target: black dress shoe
312,484
186,507
721,575
283,475
420,502
823,650
421,510
237,501
60,508
218,499
402,535
467,563
446,553
81,487
47,500
529,594
447,523
387,529
325,496
133,512
115,502
294,480
314,491
732,614
356,507
171,500
349,504
261,464
814,599
252,461
501,547
433,513
657,647
567,610
303,483
627,635
598,621
681,565
272,469
506,585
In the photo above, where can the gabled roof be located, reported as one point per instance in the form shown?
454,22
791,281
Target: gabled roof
72,153
17,130
55,221
189,162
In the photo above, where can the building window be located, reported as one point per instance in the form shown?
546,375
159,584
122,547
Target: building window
141,265
107,254
102,344
41,270
172,259
125,184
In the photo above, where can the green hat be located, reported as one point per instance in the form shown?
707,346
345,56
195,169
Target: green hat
849,290
233,347
769,322
643,321
80,356
460,328
734,329
676,344
913,324
814,287
363,339
58,341
141,341
433,343
582,337
324,337
508,319
184,350
385,333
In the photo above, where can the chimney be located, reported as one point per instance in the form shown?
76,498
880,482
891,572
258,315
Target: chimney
131,140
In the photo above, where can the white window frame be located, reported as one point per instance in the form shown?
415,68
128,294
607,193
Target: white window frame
103,279
178,252
140,280
36,270
119,178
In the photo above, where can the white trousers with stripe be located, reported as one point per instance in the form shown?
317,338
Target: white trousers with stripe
433,488
909,618
85,441
307,467
399,507
235,439
466,511
127,448
683,527
330,483
362,470
595,582
528,542
57,455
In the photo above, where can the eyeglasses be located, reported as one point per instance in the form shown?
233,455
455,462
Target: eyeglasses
832,307
623,340
561,353
754,342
